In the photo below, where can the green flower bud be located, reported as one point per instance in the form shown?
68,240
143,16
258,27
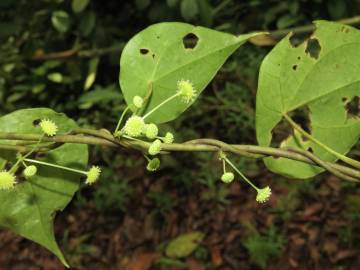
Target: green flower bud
169,137
153,165
151,131
138,102
155,147
30,171
227,177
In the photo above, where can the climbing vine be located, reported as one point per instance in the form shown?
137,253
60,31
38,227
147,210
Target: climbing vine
163,70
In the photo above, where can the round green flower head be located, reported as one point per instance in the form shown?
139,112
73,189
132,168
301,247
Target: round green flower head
155,147
30,171
263,194
186,90
134,126
227,177
151,131
7,180
92,175
48,127
153,165
169,137
138,102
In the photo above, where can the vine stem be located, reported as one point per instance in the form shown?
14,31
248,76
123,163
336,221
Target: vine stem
105,138
346,159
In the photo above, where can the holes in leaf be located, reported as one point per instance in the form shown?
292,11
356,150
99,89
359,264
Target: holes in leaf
190,41
283,130
36,122
297,39
313,48
144,51
352,107
294,67
280,133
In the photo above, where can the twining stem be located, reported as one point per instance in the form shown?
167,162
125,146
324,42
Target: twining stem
161,104
240,173
121,119
54,166
346,159
99,137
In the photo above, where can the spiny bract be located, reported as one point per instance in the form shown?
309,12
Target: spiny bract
48,127
7,180
263,194
93,175
186,90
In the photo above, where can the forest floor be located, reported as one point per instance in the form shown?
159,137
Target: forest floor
315,229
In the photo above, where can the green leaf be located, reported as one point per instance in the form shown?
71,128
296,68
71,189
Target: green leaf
90,79
61,21
156,59
322,79
79,5
29,209
87,23
55,77
189,9
184,245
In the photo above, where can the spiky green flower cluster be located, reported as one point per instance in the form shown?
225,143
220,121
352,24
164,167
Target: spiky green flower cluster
7,180
169,138
134,126
227,177
155,147
48,127
93,175
186,90
263,194
151,131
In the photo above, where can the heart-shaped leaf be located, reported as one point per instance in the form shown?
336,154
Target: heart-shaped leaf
29,209
321,75
159,56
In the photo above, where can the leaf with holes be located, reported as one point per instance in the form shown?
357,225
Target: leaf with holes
321,77
162,54
30,207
